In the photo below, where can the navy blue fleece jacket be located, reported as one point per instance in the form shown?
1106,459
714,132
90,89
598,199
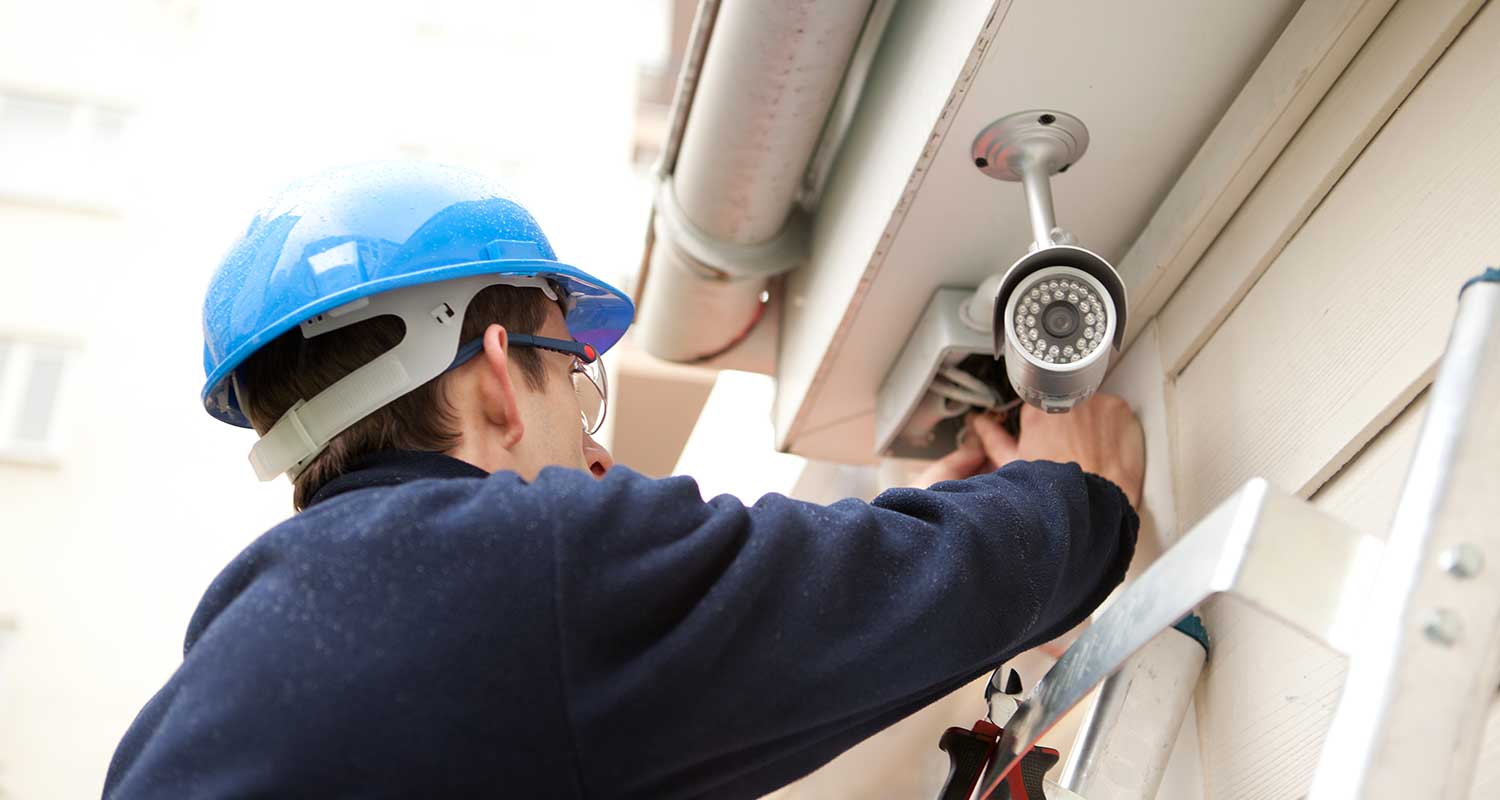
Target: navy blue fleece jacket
424,628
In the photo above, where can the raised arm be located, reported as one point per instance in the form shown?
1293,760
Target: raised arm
712,648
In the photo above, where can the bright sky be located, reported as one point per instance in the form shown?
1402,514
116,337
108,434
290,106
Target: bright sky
541,95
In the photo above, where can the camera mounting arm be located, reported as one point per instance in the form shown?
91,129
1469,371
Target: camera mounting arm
1058,315
1030,147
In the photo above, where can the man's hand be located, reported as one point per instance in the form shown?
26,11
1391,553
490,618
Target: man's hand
968,460
1101,434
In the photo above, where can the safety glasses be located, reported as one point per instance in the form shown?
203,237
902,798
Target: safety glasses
590,381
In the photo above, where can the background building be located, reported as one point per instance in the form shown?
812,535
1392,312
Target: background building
137,138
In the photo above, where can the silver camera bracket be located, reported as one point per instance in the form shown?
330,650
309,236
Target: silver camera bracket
1030,147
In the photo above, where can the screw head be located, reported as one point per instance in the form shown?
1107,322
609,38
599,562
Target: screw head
1462,560
1442,627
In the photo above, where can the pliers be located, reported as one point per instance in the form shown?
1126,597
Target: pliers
970,750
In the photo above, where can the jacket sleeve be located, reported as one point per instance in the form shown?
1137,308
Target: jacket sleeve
710,648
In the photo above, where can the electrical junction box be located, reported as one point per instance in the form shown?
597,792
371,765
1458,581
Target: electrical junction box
914,416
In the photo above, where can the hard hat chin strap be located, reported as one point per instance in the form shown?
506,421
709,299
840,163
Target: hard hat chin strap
433,316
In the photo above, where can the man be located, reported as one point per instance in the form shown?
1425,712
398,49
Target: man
474,601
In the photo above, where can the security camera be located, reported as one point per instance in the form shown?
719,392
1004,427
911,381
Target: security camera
1056,317
1059,314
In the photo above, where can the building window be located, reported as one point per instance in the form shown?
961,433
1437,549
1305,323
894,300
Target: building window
32,376
62,152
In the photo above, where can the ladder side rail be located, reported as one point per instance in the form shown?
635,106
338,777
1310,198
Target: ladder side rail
1424,673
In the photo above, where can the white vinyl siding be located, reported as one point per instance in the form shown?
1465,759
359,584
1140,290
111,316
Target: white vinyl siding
1298,351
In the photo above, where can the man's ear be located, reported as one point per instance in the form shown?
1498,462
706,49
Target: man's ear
502,407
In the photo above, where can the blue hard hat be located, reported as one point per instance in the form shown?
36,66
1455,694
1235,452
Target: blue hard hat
358,231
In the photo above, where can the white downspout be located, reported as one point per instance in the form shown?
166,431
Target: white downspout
725,219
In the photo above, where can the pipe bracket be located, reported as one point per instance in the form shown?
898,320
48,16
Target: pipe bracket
782,253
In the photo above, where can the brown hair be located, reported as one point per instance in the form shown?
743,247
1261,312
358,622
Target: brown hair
293,368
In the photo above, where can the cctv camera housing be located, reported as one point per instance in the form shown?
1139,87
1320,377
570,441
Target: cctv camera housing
1056,381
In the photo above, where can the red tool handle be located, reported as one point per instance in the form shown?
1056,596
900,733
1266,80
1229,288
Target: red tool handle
970,750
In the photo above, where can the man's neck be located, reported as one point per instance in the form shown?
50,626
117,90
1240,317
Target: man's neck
485,450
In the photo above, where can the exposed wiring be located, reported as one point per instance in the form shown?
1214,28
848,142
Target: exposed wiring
964,379
955,384
1000,411
962,395
952,383
1005,407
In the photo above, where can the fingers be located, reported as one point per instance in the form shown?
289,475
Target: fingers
1111,405
999,446
967,458
965,461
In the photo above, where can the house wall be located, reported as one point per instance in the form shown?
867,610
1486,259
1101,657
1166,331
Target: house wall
1296,343
1299,348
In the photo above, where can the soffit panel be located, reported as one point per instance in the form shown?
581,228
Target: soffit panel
1149,78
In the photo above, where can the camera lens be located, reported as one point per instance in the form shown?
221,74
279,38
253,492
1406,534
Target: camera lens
1060,320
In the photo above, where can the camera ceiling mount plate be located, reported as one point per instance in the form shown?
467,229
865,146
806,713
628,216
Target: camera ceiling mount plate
1053,140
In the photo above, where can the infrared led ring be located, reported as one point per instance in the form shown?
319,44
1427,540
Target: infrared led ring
1060,320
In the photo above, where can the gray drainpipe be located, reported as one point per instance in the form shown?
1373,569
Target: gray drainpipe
759,81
